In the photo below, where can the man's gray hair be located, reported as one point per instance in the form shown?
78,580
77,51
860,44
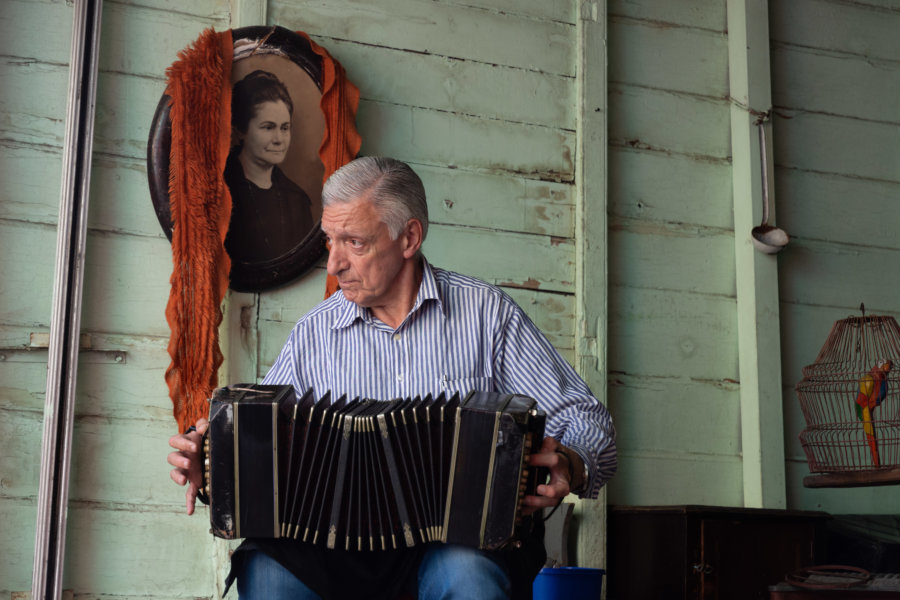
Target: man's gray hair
394,188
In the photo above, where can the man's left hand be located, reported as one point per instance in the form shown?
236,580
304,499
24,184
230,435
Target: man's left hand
557,458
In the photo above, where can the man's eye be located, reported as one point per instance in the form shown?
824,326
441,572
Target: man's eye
356,243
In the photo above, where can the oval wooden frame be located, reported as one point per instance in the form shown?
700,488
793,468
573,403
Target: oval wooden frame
244,276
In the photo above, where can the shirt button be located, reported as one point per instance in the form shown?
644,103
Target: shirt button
396,337
399,377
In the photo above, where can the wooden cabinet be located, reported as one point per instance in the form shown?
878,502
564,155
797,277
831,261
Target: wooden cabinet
703,552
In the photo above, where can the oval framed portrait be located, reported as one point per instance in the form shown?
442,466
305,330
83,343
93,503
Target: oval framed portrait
273,170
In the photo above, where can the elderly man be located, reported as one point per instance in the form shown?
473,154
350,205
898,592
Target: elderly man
400,327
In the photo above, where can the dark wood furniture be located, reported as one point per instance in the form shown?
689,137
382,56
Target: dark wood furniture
705,552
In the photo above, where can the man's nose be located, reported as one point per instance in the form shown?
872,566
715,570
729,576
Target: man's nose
336,261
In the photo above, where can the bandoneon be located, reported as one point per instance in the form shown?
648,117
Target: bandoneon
367,474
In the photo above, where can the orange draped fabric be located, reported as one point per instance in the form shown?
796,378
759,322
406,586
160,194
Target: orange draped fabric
199,85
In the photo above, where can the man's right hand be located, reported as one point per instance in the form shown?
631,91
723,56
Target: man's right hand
188,462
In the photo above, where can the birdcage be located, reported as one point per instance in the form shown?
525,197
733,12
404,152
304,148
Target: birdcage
850,398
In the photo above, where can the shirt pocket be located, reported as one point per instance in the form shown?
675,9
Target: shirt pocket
464,385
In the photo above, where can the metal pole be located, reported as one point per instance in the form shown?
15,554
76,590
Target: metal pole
59,405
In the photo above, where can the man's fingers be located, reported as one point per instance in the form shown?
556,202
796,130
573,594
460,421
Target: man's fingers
179,460
178,476
185,442
190,499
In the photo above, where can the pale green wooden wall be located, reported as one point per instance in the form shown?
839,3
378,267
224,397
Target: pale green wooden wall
125,527
480,96
674,384
836,89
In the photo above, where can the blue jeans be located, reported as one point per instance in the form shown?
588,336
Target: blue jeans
446,572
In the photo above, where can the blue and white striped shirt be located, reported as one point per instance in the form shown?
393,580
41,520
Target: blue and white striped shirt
462,334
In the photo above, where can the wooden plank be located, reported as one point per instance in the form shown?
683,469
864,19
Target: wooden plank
853,479
105,458
113,555
19,463
836,275
112,560
463,141
833,83
136,384
496,257
106,453
875,500
31,193
554,10
840,26
667,256
144,40
670,188
838,209
133,34
31,176
703,14
37,30
125,108
33,104
272,335
644,119
668,479
756,274
554,315
17,529
457,86
651,54
830,144
31,114
25,247
120,198
290,302
676,414
248,12
672,334
437,28
506,202
127,282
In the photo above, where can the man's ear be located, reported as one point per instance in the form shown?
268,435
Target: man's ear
412,236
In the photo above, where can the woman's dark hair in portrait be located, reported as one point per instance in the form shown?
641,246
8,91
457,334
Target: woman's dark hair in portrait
251,91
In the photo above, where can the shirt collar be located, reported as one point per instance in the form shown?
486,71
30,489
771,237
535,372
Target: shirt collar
428,290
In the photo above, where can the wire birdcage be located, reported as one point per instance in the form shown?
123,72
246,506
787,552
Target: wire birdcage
850,398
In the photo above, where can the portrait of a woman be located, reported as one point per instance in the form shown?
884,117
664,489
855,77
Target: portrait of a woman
270,213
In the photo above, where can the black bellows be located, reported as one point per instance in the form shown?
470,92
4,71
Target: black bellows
369,474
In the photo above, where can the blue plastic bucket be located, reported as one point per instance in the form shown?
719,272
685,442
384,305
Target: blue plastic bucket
568,583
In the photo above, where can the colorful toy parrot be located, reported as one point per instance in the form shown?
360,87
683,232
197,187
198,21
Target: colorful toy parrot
872,392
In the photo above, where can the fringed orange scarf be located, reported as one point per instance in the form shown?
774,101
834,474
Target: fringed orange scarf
199,85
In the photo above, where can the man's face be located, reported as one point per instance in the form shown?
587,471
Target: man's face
363,257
